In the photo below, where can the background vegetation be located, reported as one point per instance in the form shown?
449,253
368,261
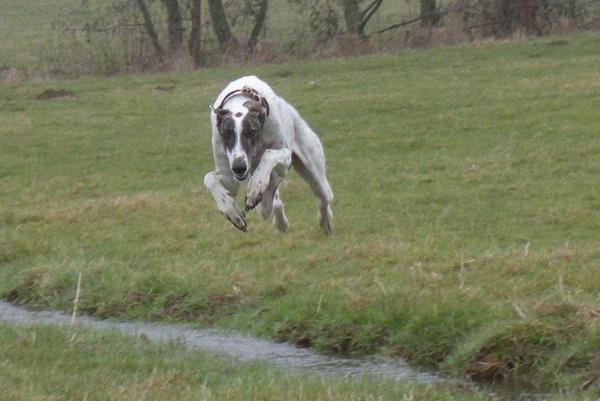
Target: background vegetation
75,37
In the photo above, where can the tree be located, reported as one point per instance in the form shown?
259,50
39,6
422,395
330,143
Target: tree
150,30
357,19
260,16
225,38
175,29
256,9
174,25
195,44
429,13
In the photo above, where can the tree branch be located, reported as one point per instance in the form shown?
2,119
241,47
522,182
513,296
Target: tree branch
259,18
411,21
150,30
369,12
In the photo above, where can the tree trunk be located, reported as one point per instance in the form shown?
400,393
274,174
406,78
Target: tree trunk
150,30
356,19
220,25
573,10
527,16
174,25
195,46
368,13
260,18
353,17
429,13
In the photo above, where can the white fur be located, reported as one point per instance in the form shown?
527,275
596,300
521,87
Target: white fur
287,140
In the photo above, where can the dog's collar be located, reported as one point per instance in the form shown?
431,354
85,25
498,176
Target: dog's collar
248,91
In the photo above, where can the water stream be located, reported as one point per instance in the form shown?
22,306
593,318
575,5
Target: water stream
234,345
246,348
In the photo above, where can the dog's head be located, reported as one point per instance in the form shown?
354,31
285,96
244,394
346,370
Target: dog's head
241,132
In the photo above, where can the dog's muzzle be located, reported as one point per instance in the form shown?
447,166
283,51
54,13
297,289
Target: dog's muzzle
240,169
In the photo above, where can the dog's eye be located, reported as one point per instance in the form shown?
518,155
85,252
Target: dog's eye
250,132
228,138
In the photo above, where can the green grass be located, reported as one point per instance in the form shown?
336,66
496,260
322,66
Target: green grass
48,363
466,212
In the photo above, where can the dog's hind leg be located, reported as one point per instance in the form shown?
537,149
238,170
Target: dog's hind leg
311,167
279,220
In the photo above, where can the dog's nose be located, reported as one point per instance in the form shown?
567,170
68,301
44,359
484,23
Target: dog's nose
239,166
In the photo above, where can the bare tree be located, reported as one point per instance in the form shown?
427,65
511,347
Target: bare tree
429,13
195,46
256,9
175,28
352,15
221,27
174,25
259,21
149,26
357,19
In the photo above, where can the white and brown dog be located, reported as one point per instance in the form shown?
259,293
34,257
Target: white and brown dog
257,135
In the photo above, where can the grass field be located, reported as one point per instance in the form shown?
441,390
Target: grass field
466,216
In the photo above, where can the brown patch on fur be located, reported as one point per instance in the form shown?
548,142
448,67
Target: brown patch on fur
256,109
221,115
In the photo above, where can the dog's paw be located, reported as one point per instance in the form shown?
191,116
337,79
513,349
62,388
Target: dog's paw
238,220
257,185
281,223
229,209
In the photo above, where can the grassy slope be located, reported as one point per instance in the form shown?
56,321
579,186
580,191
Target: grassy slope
466,208
47,363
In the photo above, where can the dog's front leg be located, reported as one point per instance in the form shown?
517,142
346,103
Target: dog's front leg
272,161
216,185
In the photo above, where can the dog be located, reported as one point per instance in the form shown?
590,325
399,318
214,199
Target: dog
257,136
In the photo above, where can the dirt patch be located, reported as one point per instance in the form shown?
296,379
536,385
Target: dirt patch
283,73
184,306
172,306
54,93
219,305
352,339
559,42
165,88
34,288
295,332
337,339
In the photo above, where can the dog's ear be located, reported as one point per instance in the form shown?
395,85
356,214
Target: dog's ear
221,115
258,109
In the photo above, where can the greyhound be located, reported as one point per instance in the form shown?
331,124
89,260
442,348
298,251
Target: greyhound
257,136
